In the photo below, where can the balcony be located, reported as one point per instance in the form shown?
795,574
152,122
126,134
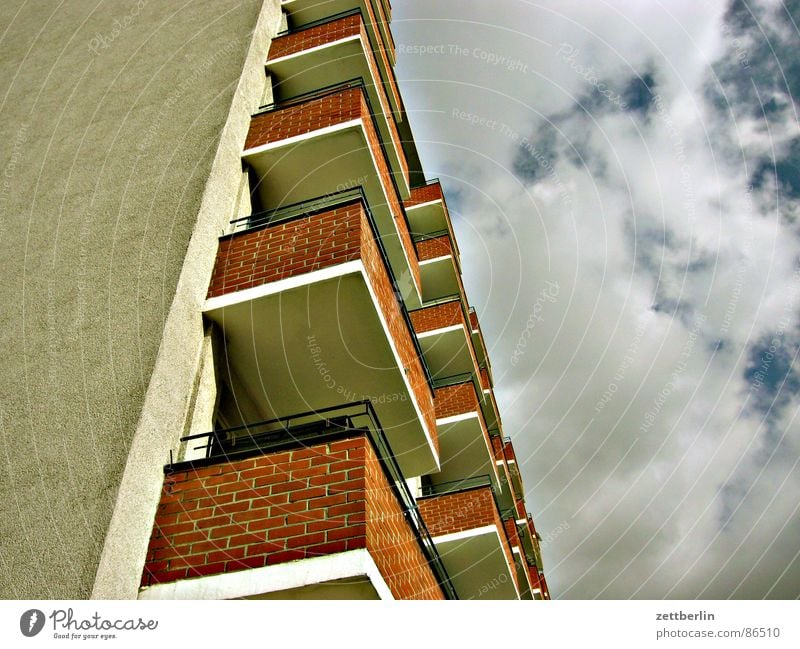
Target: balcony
443,332
469,534
308,506
464,444
479,343
540,590
505,495
325,142
308,306
521,563
307,12
529,542
438,267
428,214
513,468
332,52
544,590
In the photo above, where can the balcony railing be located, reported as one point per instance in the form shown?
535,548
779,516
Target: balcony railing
457,485
313,206
460,298
326,424
431,235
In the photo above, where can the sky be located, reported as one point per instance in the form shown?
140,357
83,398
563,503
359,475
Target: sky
624,179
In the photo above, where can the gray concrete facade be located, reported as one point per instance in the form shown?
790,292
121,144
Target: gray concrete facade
121,126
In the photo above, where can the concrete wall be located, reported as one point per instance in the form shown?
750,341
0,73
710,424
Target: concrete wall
111,119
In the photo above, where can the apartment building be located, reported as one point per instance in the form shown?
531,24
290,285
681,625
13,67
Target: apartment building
319,419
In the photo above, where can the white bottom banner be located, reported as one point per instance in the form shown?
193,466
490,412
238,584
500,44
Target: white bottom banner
395,624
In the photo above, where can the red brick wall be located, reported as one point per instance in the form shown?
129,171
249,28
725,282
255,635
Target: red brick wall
531,525
437,317
425,194
533,573
511,532
433,248
497,445
392,545
397,326
520,507
326,111
473,321
305,117
258,511
456,512
280,507
315,36
485,382
455,400
293,248
508,450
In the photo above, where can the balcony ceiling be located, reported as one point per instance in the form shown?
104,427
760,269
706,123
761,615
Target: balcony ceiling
447,351
427,218
477,564
464,450
303,347
439,278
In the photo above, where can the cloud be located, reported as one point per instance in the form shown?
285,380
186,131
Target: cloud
646,164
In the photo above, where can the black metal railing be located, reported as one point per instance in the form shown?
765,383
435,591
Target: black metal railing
311,95
455,486
509,513
456,379
299,210
314,427
427,182
313,206
431,235
440,300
